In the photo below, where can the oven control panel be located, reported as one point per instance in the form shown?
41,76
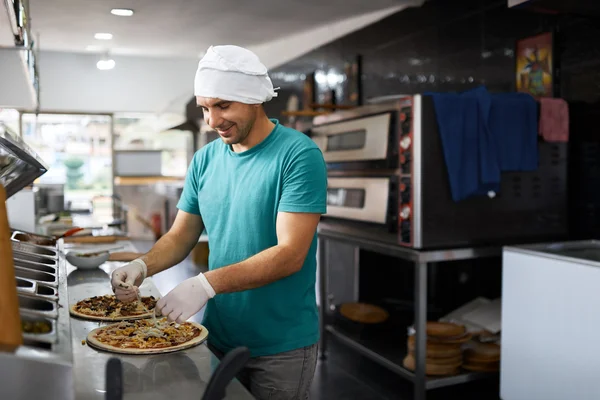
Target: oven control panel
405,187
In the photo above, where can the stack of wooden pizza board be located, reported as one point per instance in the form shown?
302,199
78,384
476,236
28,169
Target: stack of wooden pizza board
450,348
481,357
147,315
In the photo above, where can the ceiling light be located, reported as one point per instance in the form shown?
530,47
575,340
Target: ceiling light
103,36
122,12
105,64
92,48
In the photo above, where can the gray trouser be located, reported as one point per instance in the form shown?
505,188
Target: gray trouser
283,376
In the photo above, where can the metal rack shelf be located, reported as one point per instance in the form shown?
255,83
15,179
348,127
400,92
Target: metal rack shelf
391,358
372,239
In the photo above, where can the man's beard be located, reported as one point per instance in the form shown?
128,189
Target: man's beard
244,131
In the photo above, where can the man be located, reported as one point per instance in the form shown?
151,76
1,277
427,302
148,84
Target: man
259,193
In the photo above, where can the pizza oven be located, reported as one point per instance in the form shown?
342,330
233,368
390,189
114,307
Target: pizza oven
387,173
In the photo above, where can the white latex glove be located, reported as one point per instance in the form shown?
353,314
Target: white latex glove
125,280
186,299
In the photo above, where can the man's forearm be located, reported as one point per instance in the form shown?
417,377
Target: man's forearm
268,266
169,250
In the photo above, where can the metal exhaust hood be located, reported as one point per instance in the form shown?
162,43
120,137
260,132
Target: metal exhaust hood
20,166
193,114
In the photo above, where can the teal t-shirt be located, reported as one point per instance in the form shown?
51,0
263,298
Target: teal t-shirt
238,196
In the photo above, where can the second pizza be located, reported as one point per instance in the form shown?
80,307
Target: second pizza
109,308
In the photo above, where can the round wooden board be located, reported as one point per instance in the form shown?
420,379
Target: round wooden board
436,350
364,313
482,367
455,340
409,363
93,342
74,313
444,330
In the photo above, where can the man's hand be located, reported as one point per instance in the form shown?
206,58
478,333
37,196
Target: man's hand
126,280
186,299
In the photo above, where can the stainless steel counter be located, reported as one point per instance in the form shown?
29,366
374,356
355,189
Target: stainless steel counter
585,252
181,375
35,370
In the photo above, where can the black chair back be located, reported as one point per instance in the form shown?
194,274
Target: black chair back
114,379
231,364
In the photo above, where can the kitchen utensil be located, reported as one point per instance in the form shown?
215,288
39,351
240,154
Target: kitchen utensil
70,232
90,261
33,238
42,240
94,239
91,250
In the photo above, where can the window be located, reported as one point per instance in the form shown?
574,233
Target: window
77,150
10,118
152,132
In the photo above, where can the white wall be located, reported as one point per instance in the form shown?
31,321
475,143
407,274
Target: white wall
71,82
15,90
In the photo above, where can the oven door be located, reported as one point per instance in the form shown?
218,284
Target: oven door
361,199
367,141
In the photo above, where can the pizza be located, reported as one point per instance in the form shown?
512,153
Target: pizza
147,336
109,308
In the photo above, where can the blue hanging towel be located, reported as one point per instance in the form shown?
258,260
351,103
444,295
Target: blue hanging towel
513,123
489,169
466,142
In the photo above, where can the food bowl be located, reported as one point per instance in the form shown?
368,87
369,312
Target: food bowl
87,260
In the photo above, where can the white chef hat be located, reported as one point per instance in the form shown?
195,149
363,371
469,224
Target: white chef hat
233,73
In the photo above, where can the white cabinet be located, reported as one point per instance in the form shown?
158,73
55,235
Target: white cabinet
551,322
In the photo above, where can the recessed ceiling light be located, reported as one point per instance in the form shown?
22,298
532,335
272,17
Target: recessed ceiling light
105,64
103,36
92,48
122,12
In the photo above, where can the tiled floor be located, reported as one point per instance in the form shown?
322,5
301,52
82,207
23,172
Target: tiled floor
345,375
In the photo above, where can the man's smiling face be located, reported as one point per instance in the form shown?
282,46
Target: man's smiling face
232,120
